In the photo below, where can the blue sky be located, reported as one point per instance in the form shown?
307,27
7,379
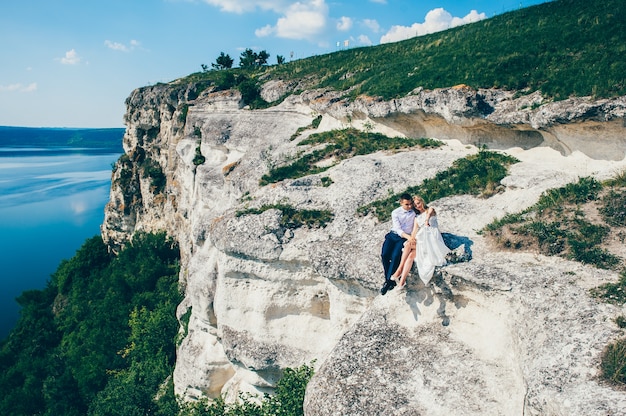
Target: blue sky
72,63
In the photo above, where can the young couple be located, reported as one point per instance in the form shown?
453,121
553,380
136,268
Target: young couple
414,237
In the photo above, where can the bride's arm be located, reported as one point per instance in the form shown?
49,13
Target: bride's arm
430,212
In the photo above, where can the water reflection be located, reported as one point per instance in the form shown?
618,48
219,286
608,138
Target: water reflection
51,201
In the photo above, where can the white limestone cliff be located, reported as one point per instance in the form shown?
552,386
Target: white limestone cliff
504,333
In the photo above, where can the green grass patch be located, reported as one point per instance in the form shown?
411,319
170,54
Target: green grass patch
613,363
614,293
478,174
556,225
293,218
613,209
340,145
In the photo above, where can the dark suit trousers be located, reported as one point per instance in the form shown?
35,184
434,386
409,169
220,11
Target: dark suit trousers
391,253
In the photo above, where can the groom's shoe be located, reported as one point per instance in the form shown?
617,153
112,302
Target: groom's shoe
384,289
389,284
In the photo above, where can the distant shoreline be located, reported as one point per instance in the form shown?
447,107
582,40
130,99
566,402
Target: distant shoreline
66,137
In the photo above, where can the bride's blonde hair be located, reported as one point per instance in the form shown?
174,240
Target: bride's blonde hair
419,198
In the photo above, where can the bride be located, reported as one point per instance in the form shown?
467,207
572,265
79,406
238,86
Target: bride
427,250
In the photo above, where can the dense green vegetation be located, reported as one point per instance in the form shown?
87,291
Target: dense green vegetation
287,400
100,338
478,174
562,48
340,145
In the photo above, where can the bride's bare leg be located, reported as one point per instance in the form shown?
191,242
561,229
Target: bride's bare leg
408,265
405,254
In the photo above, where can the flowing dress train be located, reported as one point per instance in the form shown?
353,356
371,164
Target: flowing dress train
430,249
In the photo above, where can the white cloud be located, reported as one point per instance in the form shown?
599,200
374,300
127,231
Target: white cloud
344,24
379,1
364,40
301,20
116,46
304,19
19,87
30,87
10,87
372,25
472,17
264,31
70,58
436,20
243,6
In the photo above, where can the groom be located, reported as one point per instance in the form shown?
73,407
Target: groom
401,227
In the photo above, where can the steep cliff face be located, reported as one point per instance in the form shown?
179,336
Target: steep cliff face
500,334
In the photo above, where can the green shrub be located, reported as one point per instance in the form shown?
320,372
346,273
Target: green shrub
152,169
182,115
619,181
316,122
550,236
250,92
326,181
613,363
199,158
287,399
225,80
613,208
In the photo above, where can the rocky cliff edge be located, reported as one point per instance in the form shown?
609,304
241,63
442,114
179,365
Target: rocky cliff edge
503,333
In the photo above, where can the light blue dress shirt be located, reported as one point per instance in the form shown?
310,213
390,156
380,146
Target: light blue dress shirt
402,221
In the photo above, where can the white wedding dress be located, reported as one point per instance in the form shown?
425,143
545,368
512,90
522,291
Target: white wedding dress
430,250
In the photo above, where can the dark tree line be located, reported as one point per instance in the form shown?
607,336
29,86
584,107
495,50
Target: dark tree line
100,340
247,60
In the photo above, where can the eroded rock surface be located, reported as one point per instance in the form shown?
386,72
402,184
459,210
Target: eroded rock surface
502,333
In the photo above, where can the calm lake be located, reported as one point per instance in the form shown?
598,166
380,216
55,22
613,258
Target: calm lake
51,200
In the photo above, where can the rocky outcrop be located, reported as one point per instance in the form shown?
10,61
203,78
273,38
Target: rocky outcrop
494,118
503,333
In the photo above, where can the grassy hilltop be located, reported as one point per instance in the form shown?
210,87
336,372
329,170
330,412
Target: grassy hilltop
562,48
